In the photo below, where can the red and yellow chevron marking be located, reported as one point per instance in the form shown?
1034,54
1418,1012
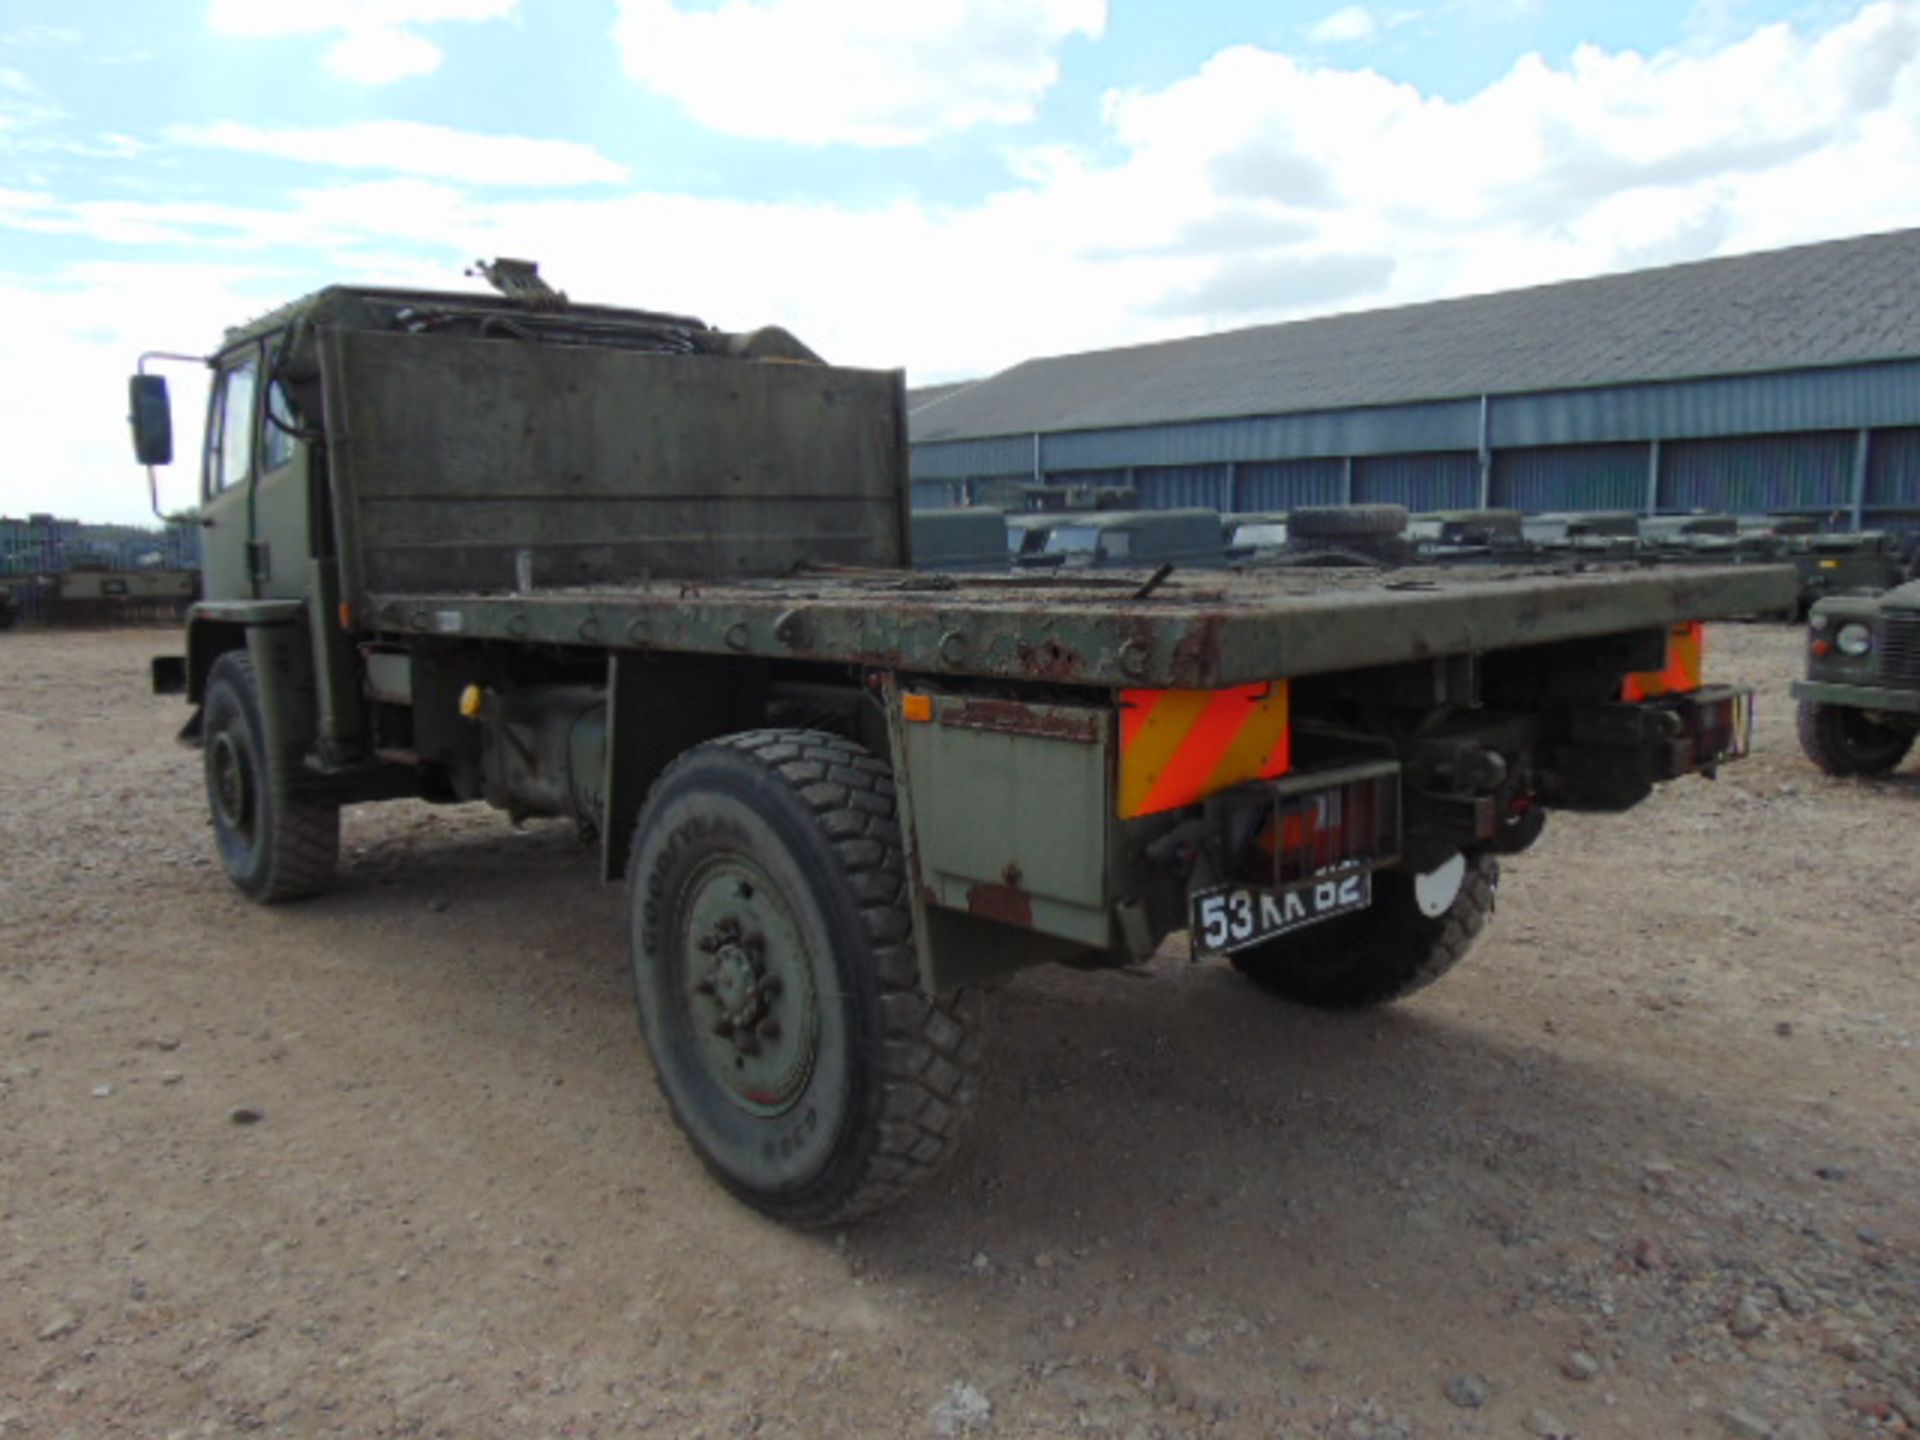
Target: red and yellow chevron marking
1179,746
1686,652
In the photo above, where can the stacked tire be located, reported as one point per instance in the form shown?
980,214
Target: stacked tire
1358,534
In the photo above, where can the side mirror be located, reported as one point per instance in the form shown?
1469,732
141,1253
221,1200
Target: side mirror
151,415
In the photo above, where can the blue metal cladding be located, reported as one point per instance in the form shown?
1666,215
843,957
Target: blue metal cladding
1382,430
1435,481
958,459
1848,397
1284,484
1751,475
1171,487
935,494
1571,477
1893,471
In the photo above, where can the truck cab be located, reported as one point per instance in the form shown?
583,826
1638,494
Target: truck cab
1137,539
963,540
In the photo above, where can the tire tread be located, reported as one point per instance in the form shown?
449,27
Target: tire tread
1824,740
303,846
1404,953
928,1053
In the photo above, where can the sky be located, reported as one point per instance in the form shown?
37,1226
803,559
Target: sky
944,186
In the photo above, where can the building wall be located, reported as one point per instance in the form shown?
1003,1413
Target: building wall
1841,442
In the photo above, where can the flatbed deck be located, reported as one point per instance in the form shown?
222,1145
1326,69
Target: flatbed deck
1195,629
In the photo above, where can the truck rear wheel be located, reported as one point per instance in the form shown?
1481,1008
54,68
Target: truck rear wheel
276,840
1844,741
1408,938
774,965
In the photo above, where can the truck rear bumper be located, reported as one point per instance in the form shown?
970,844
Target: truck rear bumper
1716,725
1611,756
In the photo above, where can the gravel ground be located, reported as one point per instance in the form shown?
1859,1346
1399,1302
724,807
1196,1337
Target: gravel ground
392,1163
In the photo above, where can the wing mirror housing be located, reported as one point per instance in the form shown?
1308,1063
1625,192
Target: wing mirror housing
150,413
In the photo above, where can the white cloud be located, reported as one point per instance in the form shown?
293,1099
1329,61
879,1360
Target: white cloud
39,37
1259,187
377,43
861,72
409,147
1343,27
1551,171
381,54
315,17
63,400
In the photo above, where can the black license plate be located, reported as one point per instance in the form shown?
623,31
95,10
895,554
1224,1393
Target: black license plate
1226,918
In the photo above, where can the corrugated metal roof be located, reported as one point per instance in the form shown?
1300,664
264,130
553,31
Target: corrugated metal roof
921,396
1833,303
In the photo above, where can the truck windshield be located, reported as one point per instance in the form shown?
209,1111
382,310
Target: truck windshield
1073,540
1265,534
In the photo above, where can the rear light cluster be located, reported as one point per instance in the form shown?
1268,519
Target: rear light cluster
1338,827
1721,729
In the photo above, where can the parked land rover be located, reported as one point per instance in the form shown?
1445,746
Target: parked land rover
1860,702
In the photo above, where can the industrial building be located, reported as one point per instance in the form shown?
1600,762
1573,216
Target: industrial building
1786,381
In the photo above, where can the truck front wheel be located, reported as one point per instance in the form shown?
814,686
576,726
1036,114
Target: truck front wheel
1408,938
774,965
1844,741
277,840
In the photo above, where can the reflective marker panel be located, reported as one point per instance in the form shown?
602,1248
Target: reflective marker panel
1179,746
1686,653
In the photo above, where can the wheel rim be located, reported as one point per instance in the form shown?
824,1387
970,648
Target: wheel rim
750,989
232,784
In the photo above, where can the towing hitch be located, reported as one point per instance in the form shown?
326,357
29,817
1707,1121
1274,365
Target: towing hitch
1613,755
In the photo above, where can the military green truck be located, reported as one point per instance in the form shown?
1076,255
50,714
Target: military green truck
628,570
1115,539
93,596
1844,561
969,539
1860,701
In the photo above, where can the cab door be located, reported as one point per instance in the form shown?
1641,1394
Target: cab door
282,503
226,483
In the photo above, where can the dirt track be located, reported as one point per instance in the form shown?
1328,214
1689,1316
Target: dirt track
1645,1166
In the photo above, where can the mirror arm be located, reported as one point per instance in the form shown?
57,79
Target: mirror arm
153,481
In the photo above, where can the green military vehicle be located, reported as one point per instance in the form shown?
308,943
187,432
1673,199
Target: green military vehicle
967,539
1249,534
1860,702
93,596
1468,535
622,568
1844,561
1587,535
1116,539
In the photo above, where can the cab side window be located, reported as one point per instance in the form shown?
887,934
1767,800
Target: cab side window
230,435
276,441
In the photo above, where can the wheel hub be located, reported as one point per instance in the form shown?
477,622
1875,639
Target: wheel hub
751,989
232,783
